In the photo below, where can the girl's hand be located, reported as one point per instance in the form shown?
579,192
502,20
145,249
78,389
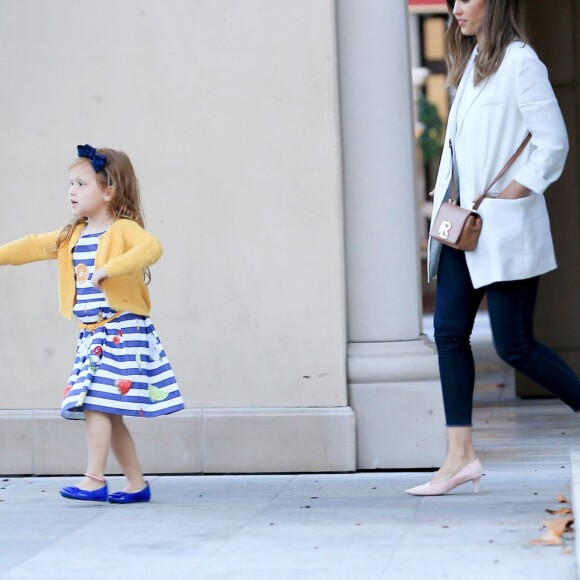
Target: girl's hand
99,276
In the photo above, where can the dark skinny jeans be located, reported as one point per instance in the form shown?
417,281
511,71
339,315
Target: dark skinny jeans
511,313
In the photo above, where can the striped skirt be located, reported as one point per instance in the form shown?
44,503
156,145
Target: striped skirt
121,368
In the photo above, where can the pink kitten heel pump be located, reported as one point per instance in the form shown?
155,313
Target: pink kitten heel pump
471,472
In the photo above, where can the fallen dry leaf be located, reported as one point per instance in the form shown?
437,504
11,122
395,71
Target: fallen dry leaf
560,512
549,538
556,527
553,534
559,525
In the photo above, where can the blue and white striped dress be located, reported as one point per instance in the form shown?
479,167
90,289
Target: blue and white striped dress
120,367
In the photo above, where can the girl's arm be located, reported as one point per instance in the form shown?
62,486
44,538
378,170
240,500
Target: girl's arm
143,250
32,248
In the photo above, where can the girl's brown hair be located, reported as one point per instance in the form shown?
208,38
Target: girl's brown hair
119,175
502,24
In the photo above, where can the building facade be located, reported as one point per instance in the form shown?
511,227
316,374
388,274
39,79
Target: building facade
275,148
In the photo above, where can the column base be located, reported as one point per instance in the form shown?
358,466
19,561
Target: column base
395,392
268,440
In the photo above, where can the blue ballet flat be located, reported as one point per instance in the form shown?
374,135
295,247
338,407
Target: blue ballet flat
100,494
124,497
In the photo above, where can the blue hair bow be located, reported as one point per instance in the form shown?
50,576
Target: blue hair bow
97,161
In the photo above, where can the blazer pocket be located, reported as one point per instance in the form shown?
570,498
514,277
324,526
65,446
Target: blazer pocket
515,225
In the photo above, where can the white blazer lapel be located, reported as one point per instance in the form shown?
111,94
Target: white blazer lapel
452,119
452,130
471,96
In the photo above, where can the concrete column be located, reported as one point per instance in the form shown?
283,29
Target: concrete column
393,375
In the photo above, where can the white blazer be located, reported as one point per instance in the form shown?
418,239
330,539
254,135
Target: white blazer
515,241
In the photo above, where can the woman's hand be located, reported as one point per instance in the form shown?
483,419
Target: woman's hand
514,190
99,276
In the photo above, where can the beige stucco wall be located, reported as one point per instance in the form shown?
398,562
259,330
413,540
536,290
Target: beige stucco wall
228,109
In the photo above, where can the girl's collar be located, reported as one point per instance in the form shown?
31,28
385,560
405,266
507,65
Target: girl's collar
78,231
101,230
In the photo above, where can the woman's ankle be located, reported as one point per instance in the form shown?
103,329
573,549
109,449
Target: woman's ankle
461,455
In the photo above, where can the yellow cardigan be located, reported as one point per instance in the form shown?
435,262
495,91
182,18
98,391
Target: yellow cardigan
124,251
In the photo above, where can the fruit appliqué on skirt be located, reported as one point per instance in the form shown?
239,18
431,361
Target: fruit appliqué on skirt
121,368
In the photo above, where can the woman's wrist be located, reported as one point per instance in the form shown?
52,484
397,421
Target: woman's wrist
514,190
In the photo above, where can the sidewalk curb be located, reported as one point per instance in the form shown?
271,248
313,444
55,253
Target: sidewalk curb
575,485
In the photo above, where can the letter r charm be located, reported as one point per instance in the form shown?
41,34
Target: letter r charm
444,229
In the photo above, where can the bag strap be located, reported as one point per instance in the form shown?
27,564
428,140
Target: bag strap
506,167
503,171
452,197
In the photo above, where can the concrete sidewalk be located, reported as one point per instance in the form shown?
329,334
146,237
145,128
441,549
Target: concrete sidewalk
317,526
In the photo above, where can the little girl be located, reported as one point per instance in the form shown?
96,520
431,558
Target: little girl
120,366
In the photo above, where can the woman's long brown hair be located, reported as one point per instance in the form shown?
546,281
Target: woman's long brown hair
502,24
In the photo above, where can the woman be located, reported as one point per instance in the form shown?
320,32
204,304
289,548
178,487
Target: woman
503,92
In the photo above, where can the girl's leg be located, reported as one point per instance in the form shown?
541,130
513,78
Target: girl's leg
511,311
455,309
126,454
99,441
